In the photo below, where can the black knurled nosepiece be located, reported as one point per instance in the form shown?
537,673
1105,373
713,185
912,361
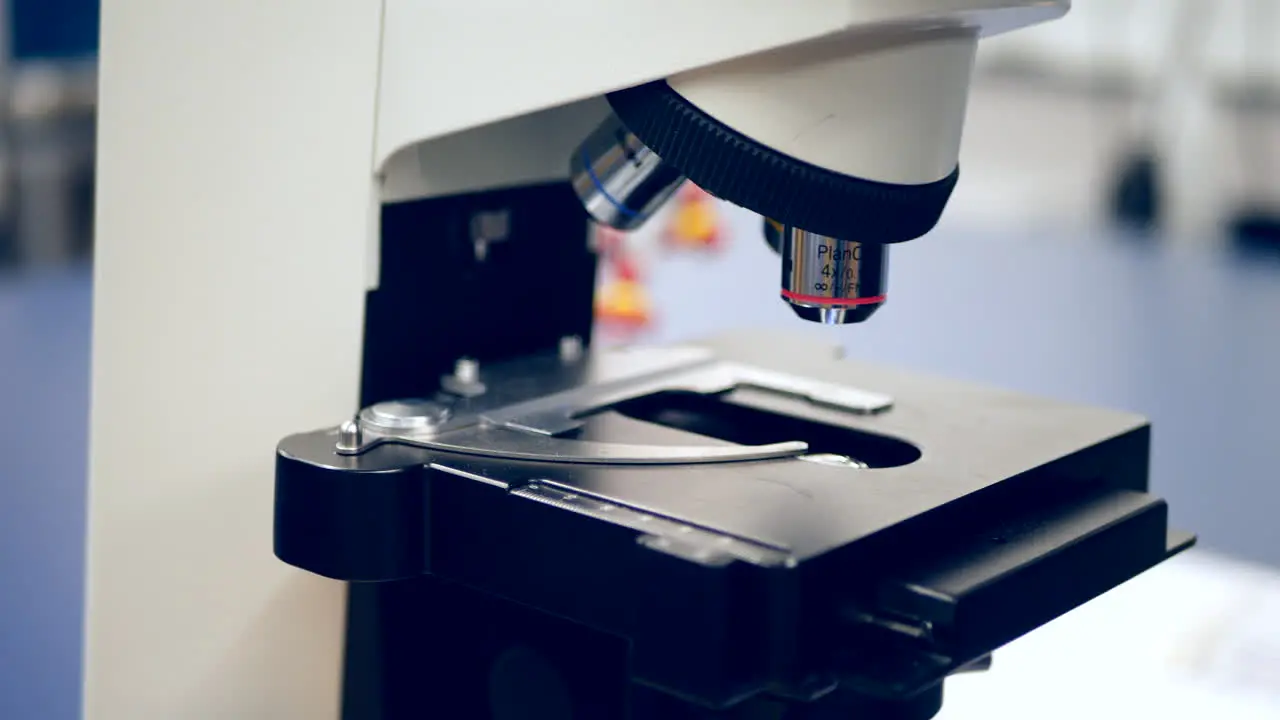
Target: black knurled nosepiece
733,167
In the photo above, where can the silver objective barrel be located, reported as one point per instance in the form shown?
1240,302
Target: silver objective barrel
620,181
828,280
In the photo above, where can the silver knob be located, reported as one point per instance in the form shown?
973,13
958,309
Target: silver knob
413,414
349,436
465,379
466,370
570,348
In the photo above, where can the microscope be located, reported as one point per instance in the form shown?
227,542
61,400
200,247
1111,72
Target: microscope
746,527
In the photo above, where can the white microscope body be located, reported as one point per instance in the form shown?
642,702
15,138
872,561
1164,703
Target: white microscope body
245,148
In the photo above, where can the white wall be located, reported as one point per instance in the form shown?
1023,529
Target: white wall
1043,148
1236,39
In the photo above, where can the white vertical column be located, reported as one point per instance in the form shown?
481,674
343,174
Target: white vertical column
234,200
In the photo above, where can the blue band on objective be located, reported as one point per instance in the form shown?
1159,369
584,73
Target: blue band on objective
591,172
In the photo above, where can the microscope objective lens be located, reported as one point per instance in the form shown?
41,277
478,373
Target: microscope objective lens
828,280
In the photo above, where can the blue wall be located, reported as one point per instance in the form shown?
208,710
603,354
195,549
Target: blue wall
54,28
44,389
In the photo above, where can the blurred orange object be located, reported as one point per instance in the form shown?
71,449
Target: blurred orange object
695,221
623,302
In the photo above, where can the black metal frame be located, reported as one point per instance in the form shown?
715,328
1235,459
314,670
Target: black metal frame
437,302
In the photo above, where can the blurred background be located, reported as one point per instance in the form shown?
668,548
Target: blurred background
48,92
1115,240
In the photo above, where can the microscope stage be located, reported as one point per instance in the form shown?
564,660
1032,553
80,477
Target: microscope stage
752,514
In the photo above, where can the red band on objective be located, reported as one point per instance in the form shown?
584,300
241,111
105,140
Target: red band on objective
820,300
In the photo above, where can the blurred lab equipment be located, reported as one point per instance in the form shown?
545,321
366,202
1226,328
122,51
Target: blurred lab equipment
1158,114
48,99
